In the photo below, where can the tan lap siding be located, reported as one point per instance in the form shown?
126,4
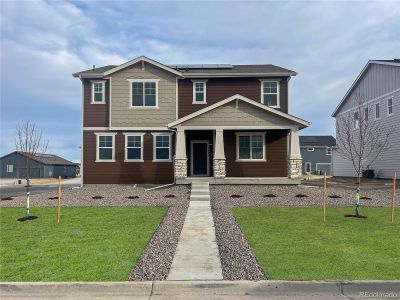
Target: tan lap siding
95,115
276,155
121,172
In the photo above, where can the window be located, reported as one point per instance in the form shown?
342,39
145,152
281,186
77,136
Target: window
270,93
105,147
199,92
162,146
390,106
134,146
366,114
377,112
250,146
328,151
308,167
10,168
310,149
355,120
98,92
144,93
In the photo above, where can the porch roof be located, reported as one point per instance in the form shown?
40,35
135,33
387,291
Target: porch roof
251,113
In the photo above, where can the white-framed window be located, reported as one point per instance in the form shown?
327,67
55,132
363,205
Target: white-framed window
310,149
143,93
366,114
199,92
10,168
270,93
98,92
105,147
250,146
355,120
328,151
134,147
377,112
162,146
308,167
390,106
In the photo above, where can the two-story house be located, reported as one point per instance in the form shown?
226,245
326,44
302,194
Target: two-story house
316,152
377,87
146,122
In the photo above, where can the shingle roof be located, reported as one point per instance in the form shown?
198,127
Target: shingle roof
317,140
99,70
50,159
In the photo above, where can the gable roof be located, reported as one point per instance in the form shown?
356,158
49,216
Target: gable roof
46,159
242,98
393,62
317,140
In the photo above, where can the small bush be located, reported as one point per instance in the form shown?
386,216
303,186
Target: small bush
7,198
236,196
334,196
97,197
365,198
169,196
301,196
53,198
269,196
133,197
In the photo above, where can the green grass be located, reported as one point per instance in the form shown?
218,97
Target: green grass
90,244
295,244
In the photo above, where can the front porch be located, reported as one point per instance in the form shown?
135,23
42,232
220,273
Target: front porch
241,180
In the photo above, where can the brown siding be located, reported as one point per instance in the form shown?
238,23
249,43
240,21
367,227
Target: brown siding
221,88
124,172
95,115
276,155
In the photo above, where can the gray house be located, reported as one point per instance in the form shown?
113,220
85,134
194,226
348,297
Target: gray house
379,86
316,152
13,165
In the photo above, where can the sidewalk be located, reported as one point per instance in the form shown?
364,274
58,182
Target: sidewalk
219,289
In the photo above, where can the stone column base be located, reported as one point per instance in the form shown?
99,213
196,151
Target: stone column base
219,168
180,167
294,168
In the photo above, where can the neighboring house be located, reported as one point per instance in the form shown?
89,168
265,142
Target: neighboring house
316,152
146,122
13,165
379,86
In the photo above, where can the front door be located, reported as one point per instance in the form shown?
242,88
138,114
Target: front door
199,158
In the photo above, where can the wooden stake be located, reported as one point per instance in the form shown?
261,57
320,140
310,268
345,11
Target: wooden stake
324,196
59,200
393,198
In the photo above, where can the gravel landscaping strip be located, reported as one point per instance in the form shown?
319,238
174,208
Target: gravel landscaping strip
156,259
237,259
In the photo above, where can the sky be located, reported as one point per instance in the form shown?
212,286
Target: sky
44,42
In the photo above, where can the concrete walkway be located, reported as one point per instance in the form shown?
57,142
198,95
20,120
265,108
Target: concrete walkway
197,256
191,290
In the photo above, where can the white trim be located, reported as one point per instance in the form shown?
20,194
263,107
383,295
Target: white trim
191,157
245,99
140,128
95,128
142,59
128,134
98,134
155,134
310,149
144,96
109,100
305,167
316,167
375,110
238,134
239,127
277,92
176,99
387,105
103,91
204,91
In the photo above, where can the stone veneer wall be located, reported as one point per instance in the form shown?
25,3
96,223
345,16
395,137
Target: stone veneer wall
294,168
219,168
180,166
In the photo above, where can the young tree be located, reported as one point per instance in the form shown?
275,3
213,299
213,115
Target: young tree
29,141
360,139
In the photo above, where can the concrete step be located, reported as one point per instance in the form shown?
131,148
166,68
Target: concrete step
200,183
199,197
200,192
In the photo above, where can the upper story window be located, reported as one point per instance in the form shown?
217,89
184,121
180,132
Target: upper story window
355,120
310,149
144,93
366,114
105,150
98,92
270,93
134,146
250,146
328,151
162,146
10,168
377,112
390,106
199,92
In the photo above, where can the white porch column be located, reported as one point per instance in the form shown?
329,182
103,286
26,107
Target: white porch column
294,161
180,163
219,154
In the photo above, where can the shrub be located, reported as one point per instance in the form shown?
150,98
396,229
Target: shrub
269,196
169,196
236,196
7,198
133,197
334,196
365,198
301,196
97,197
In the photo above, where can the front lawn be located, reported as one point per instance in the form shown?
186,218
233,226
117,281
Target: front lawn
90,244
294,243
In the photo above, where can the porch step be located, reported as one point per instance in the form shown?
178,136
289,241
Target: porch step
200,191
199,197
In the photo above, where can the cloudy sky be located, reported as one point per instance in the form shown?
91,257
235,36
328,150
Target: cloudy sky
44,42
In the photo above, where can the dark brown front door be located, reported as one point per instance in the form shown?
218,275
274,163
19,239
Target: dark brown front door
200,159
